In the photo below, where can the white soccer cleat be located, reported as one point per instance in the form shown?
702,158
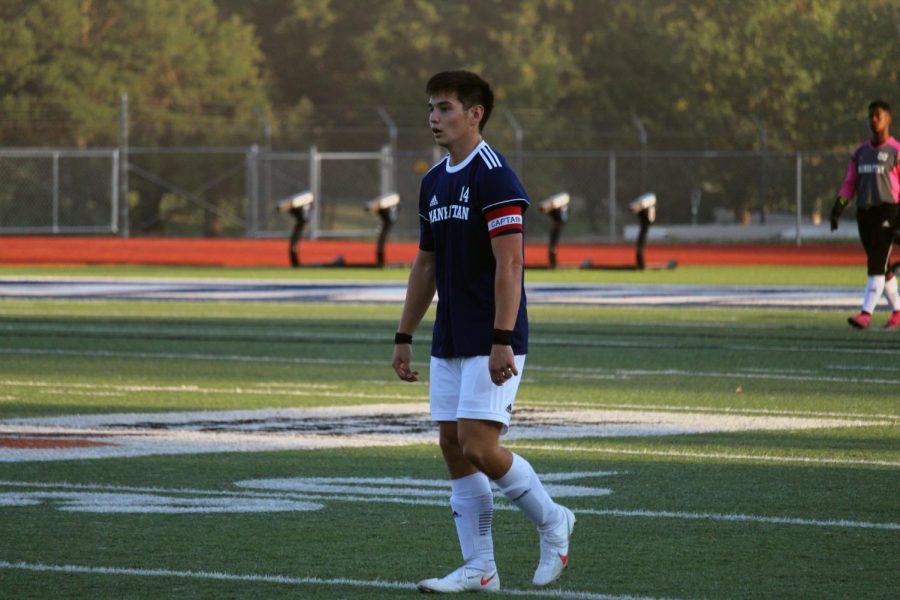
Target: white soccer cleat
555,551
464,579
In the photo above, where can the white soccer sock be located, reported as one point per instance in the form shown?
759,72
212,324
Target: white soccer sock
891,293
874,288
523,488
472,501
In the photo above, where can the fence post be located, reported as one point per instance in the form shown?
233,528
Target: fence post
392,135
55,209
315,185
642,134
252,184
799,195
612,197
763,150
386,168
123,164
114,193
267,162
518,136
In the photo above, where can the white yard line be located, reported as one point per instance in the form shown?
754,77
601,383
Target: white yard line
712,455
425,501
568,372
190,356
210,334
253,390
706,409
285,580
738,518
742,375
317,390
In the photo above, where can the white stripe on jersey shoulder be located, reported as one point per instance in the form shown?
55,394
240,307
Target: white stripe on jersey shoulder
490,157
502,202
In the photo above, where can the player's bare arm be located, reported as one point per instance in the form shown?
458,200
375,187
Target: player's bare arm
508,254
419,295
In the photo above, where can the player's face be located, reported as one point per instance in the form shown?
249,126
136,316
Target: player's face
450,123
879,122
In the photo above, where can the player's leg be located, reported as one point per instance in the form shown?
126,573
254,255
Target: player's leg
472,501
892,294
891,291
513,474
867,223
880,239
484,413
471,497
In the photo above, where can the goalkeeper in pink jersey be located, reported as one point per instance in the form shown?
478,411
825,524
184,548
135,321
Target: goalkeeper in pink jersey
873,176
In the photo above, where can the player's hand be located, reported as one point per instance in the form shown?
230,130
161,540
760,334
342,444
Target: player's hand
502,364
402,363
836,211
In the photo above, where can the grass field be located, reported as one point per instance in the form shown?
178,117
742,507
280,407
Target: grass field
731,453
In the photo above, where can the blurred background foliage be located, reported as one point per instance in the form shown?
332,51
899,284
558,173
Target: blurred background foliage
574,74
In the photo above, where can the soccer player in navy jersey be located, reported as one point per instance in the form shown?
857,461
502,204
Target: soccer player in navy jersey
471,246
873,176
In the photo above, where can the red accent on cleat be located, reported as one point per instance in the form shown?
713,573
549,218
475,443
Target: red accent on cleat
488,580
860,321
894,321
565,561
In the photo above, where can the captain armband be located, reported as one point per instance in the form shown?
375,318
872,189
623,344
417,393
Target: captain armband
505,220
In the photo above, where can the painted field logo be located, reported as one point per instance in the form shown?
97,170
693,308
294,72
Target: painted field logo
79,437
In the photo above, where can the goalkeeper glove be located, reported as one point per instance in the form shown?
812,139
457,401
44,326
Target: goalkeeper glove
839,205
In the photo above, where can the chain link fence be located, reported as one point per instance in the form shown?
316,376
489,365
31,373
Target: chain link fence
234,192
58,191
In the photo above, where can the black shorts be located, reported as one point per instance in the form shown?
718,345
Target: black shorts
876,232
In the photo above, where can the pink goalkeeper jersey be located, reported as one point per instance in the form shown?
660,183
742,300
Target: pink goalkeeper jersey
873,175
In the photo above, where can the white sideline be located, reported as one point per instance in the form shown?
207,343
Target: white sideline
583,373
707,409
738,518
316,389
713,455
284,579
324,496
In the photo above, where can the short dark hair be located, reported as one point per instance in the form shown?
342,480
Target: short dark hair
470,89
880,104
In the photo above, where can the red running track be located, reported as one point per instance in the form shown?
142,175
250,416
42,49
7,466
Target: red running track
40,250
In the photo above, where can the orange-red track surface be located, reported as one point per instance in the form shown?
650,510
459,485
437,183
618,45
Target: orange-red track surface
40,250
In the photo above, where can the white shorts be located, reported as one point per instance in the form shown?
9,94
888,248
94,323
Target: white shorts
461,388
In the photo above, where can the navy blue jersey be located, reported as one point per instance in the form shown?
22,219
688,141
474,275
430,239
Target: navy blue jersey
455,203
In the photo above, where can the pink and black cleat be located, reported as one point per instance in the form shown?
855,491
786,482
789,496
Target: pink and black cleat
894,321
860,321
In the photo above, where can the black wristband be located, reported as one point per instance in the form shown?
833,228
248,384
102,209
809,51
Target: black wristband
502,337
402,338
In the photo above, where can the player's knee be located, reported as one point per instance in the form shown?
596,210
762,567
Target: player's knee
477,452
449,444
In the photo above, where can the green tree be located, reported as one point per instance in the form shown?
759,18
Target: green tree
190,75
177,59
